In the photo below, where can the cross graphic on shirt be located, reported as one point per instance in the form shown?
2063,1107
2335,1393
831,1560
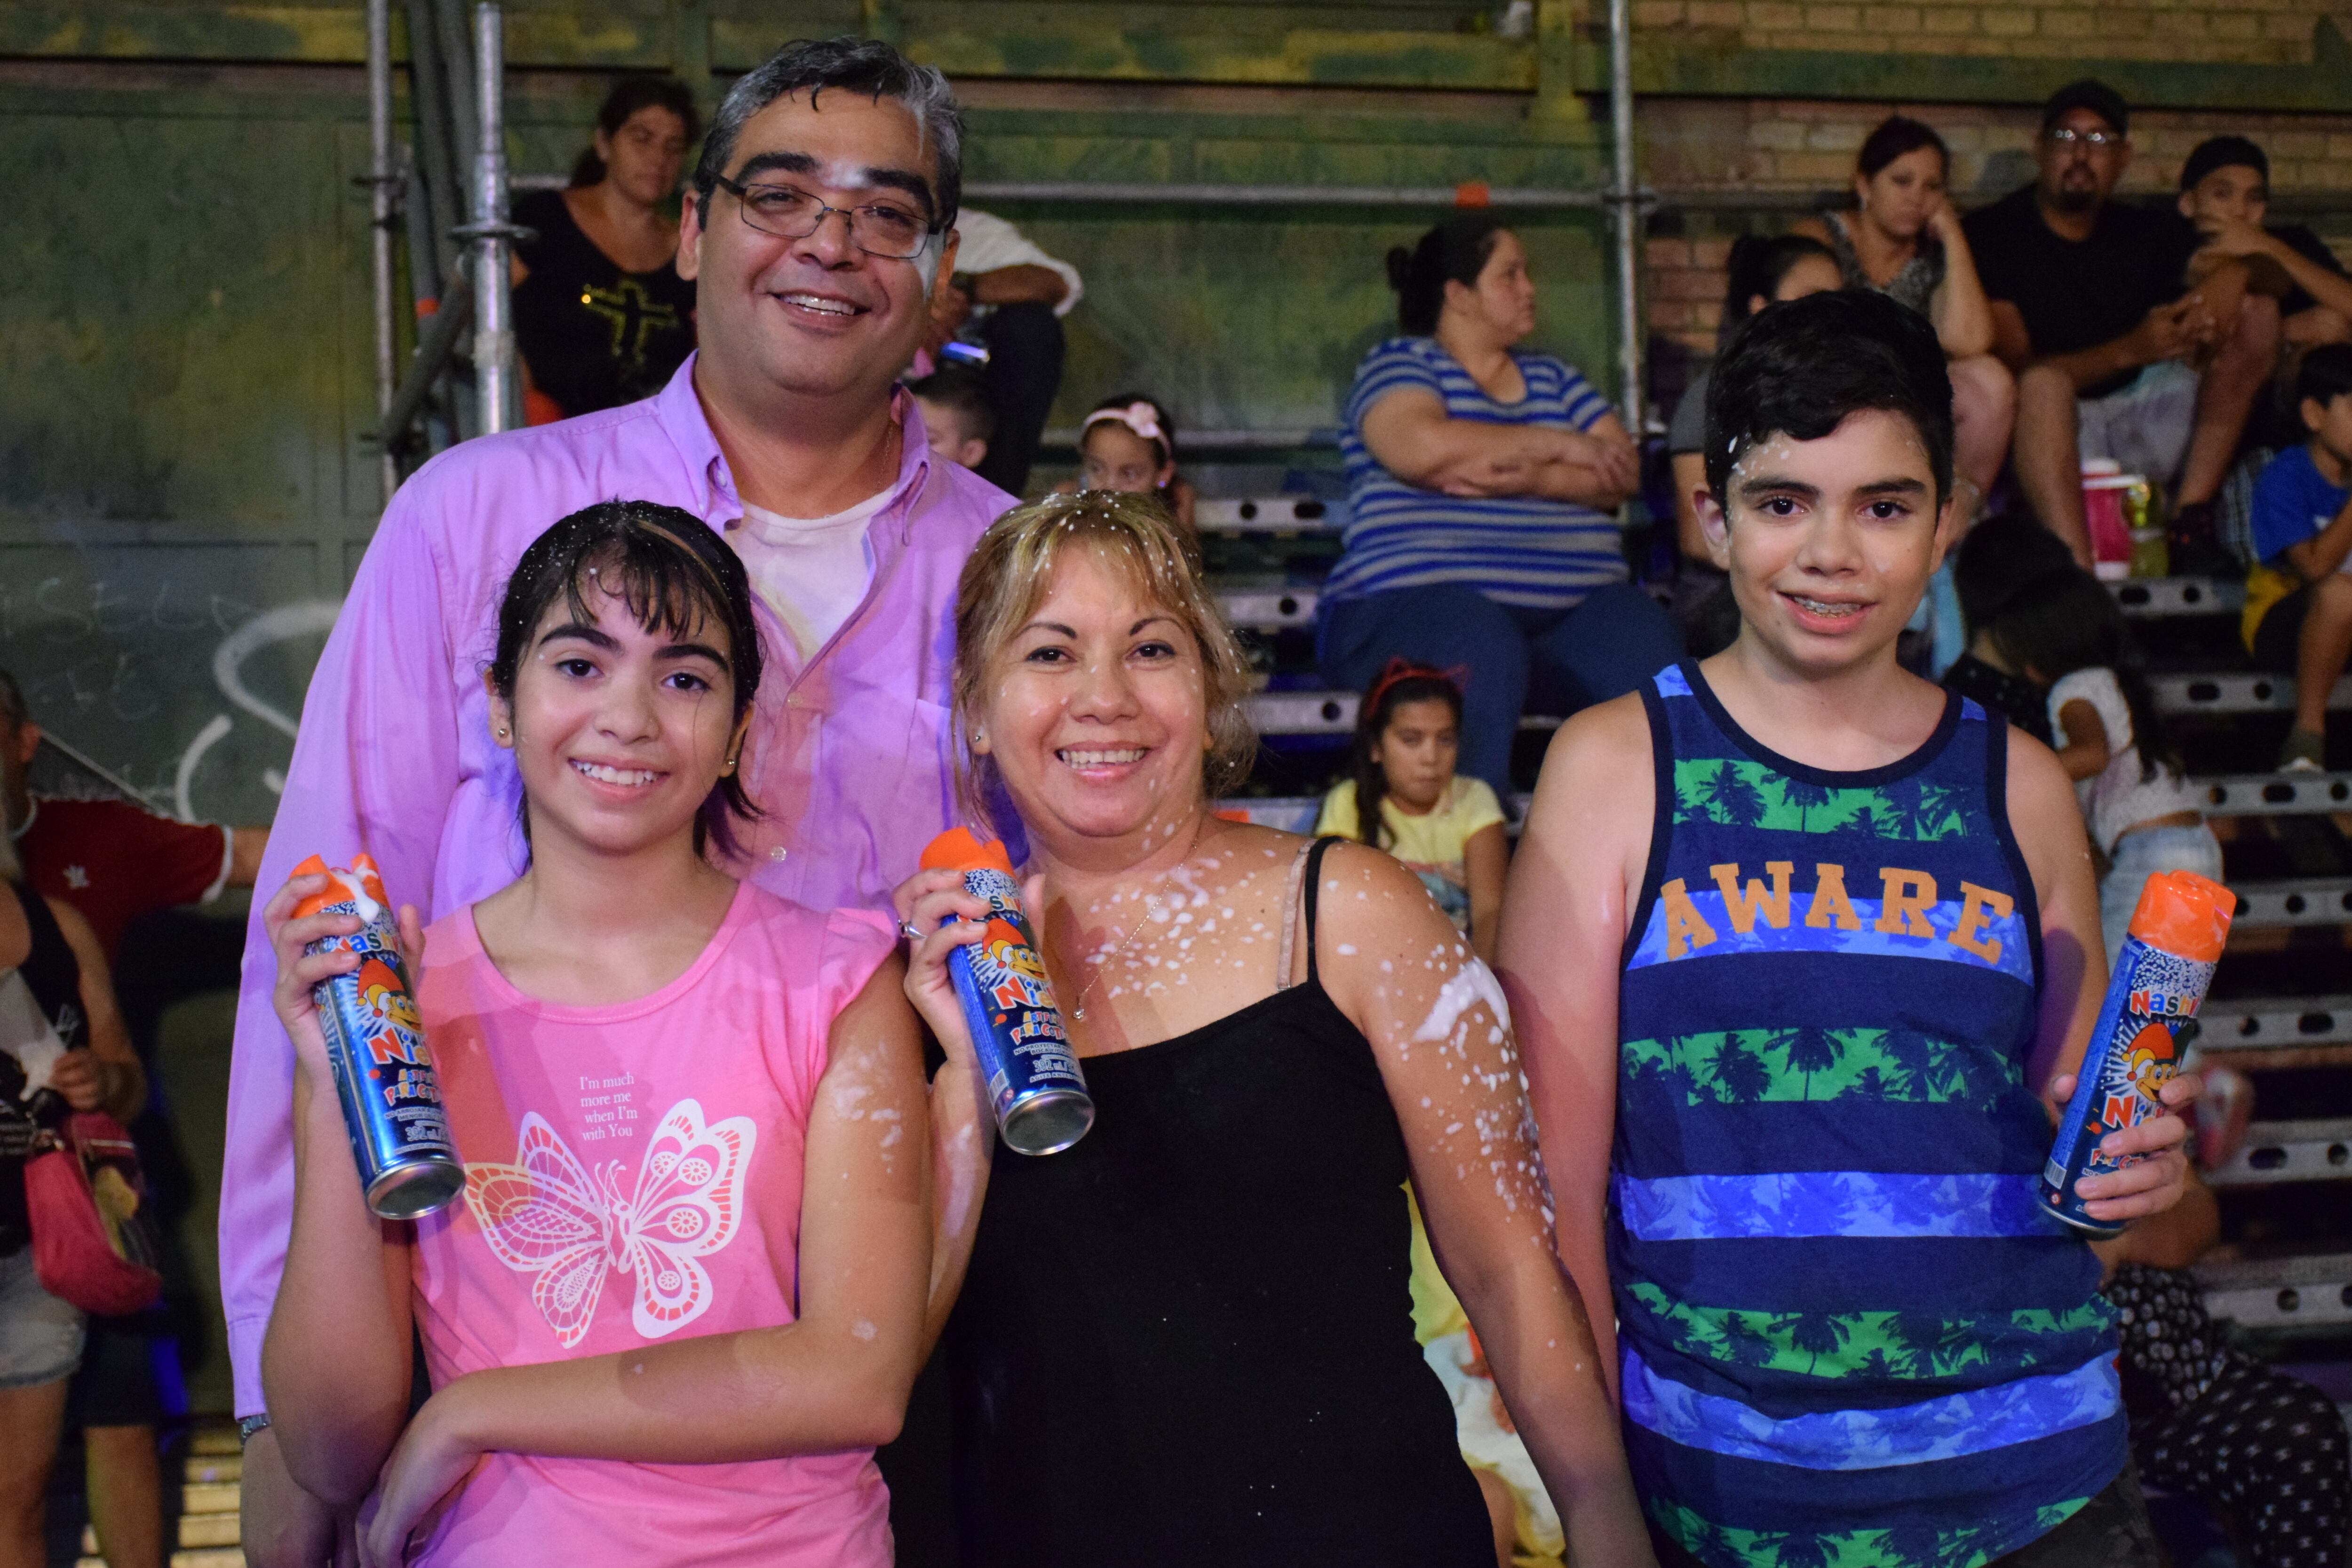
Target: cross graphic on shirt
633,313
77,879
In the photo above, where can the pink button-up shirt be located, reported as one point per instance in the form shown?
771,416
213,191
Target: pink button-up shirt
851,756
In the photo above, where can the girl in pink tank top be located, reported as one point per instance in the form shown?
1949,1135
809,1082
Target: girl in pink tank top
683,1295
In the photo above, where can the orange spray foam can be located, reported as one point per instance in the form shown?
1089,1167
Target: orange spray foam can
2175,937
375,1041
1034,1083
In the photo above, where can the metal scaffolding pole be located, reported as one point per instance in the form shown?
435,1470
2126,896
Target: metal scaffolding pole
498,382
1625,212
381,178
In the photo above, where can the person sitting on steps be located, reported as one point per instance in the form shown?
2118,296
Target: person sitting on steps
2115,358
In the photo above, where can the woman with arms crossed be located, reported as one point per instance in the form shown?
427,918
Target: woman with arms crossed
1188,1339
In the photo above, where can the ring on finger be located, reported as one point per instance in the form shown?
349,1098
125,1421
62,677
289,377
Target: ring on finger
910,931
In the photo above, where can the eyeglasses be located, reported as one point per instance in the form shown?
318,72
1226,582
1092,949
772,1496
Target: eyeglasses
878,228
2097,140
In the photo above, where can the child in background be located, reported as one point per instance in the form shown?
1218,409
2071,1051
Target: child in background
1447,828
957,415
1128,443
1527,1533
2064,632
2299,595
682,1298
1763,270
1993,565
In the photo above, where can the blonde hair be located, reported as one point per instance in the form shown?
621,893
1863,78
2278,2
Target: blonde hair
1137,536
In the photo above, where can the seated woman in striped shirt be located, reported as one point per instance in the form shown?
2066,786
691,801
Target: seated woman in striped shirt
1481,480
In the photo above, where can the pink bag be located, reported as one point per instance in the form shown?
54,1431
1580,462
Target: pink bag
92,1247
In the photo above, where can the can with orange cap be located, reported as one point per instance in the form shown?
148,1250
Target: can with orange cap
375,1042
2175,939
1034,1083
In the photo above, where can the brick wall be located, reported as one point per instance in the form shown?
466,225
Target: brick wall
1790,149
2239,32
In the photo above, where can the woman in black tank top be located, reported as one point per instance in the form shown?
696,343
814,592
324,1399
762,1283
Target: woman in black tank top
1188,1339
62,1048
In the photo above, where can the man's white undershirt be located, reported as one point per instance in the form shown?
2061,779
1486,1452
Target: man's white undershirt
812,572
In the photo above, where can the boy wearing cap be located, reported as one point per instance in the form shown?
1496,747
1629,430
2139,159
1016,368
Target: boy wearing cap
2114,358
2225,195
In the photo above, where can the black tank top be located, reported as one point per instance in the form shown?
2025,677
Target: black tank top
1189,1339
594,336
54,976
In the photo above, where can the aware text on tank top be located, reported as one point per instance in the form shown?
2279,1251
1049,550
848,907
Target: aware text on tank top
1847,1327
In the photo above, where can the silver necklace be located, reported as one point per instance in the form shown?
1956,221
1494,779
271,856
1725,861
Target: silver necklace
1150,914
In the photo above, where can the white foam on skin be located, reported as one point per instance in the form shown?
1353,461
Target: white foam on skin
1473,983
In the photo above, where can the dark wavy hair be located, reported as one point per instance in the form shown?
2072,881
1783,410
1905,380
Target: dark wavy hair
1898,135
675,573
1455,251
2066,620
630,94
1399,684
1803,365
1758,262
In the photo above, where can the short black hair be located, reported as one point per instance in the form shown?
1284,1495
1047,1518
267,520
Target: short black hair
2000,559
2224,153
854,65
673,572
2094,95
2325,374
1758,262
964,391
1801,367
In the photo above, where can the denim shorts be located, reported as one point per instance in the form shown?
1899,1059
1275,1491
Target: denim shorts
40,1336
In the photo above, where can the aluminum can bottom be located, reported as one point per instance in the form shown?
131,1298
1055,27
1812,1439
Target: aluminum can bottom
1046,1121
415,1188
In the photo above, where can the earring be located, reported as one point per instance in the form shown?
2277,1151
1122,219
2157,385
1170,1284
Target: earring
729,765
977,736
501,732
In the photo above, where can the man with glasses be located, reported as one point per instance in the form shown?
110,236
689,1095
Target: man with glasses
2115,358
819,228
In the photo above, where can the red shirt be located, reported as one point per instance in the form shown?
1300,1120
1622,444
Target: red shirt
115,862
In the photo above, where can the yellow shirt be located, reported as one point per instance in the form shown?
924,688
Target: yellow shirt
1433,844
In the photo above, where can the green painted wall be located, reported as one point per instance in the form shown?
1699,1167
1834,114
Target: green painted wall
183,427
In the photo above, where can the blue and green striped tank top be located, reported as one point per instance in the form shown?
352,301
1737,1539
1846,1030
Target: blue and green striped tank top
1851,1339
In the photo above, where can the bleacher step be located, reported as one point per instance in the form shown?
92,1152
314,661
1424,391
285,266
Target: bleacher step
2237,694
2272,1023
228,1468
1334,712
2275,794
1279,609
2312,1291
209,1497
2278,1151
2312,901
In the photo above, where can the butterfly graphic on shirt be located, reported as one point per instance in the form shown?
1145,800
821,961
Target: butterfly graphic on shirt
546,1217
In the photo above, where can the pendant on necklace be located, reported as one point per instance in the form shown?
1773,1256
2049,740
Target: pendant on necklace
1079,1013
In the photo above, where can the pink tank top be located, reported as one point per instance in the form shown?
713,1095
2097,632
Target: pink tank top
634,1175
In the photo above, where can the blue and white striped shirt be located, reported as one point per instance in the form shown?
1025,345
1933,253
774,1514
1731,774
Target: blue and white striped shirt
1515,550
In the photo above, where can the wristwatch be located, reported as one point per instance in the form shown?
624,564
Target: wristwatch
249,1425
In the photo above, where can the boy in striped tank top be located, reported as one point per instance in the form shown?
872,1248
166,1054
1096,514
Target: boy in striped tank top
1806,950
